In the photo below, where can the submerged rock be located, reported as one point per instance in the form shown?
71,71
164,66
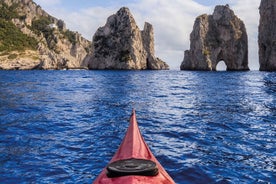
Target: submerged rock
267,35
121,45
216,37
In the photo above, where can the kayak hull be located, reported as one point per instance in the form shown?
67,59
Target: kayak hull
135,180
134,146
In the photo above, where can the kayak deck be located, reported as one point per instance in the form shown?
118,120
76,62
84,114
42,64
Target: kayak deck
134,147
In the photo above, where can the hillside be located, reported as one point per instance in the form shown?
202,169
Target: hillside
30,38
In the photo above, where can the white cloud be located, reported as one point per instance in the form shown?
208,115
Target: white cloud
172,21
86,21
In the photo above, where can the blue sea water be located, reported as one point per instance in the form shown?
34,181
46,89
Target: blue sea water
203,127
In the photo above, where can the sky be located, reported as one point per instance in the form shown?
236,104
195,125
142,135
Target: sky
172,20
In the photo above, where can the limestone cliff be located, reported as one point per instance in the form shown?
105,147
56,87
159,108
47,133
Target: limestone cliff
216,37
121,45
267,35
53,45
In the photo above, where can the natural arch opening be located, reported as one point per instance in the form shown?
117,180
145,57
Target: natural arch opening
221,66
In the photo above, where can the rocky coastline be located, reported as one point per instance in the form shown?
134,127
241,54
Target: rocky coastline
52,46
47,44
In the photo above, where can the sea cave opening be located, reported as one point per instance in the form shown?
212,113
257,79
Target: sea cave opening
221,66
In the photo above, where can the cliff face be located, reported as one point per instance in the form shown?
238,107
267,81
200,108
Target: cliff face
56,47
267,35
121,45
216,37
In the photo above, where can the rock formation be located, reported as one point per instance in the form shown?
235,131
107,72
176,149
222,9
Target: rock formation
121,45
216,37
56,48
267,35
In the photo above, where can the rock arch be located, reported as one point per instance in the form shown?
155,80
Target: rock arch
221,66
216,37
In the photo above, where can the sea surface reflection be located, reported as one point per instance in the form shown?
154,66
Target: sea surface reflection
203,127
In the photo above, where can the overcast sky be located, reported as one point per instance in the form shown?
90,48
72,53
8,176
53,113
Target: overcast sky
172,20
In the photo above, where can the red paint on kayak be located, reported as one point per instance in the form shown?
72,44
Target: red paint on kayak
134,146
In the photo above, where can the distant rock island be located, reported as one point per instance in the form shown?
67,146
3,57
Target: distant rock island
30,38
267,35
121,45
33,39
216,37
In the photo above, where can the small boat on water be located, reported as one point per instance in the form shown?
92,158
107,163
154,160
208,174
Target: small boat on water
133,163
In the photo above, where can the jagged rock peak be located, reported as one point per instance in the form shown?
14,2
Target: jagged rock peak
267,35
119,44
223,12
124,11
216,37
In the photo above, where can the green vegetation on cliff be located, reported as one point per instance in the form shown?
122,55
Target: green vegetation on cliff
8,12
71,36
41,25
30,38
11,38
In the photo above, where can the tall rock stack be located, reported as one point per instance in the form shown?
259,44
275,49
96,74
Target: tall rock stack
121,45
267,35
216,37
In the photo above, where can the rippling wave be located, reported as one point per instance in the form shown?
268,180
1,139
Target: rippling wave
204,127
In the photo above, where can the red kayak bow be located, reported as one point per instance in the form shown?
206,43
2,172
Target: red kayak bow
134,163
